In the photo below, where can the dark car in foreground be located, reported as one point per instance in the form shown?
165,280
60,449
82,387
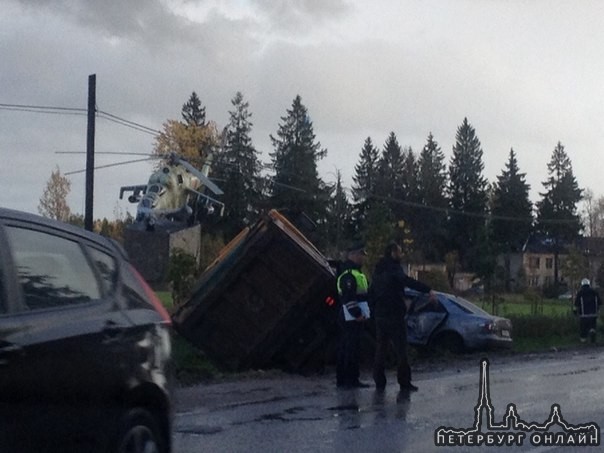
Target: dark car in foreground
454,324
84,344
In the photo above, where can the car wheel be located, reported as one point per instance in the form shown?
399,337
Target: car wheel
449,342
139,433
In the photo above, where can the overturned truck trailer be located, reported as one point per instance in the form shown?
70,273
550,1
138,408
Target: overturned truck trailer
261,303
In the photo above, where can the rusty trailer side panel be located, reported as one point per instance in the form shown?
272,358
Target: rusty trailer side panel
260,303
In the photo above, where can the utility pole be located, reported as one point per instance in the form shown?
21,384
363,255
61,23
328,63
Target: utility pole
88,217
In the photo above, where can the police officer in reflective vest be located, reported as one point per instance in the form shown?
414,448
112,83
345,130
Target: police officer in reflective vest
354,310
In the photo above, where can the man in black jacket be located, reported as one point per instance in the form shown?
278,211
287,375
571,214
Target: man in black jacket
587,306
387,297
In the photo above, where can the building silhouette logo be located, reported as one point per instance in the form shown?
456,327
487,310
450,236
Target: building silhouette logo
554,431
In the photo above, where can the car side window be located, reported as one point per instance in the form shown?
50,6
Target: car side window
424,305
107,268
52,271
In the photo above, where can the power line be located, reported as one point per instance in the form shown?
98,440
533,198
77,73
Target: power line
127,123
55,110
450,211
115,153
42,109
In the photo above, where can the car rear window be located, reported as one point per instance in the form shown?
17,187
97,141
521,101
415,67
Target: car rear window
468,306
53,271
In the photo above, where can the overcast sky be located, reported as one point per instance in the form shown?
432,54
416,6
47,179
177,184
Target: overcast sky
526,74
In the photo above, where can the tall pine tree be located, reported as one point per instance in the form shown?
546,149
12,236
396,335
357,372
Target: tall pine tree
512,210
430,229
364,183
339,225
296,184
467,195
388,188
193,113
239,166
557,215
409,196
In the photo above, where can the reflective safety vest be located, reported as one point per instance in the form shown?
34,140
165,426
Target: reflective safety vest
361,299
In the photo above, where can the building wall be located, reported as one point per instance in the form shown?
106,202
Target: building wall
539,269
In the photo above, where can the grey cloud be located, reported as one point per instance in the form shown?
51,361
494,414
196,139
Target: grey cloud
114,18
301,15
150,24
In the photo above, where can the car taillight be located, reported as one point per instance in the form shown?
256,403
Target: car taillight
159,307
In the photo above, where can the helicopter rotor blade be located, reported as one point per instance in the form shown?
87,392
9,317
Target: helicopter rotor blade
115,164
203,178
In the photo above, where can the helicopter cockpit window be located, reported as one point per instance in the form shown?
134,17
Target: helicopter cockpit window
153,189
165,170
180,180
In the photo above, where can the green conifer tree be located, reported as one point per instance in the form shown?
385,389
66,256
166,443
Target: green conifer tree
238,166
557,215
431,226
364,183
296,185
193,114
467,195
511,209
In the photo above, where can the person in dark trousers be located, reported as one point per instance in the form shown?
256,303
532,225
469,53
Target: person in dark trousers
388,285
354,310
587,307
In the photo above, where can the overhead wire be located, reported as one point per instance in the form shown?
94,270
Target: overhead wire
42,109
81,112
124,122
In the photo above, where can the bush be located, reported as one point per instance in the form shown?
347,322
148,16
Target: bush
191,365
540,326
551,291
436,280
182,271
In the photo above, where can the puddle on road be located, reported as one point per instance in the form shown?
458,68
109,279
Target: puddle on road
573,372
350,407
199,430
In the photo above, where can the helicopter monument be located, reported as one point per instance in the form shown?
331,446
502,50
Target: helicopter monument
174,193
170,209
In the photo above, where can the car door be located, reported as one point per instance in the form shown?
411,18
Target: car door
13,340
72,331
424,318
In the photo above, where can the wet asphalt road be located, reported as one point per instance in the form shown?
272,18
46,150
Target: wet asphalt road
275,412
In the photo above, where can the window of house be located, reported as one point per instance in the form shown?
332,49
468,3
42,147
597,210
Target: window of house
549,263
533,281
534,262
53,271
